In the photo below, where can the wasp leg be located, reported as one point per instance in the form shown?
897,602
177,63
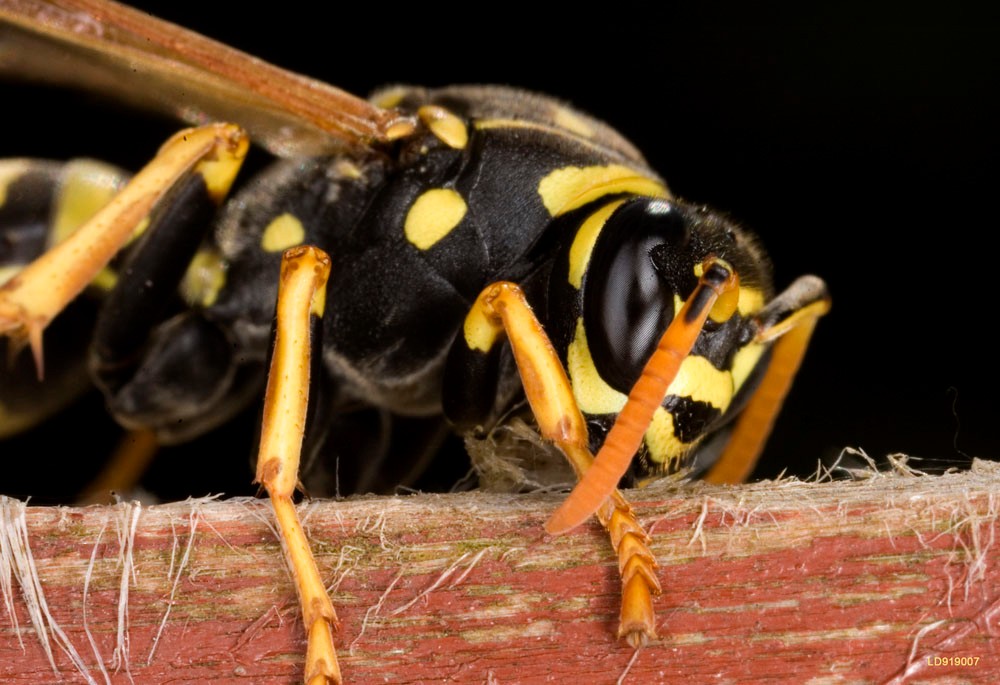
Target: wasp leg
32,298
789,320
177,375
133,455
41,202
502,308
716,295
301,298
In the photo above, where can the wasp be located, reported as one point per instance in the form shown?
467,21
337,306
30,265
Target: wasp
471,252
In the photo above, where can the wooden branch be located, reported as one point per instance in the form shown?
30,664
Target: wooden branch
895,579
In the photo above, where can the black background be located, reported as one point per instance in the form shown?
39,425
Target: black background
862,149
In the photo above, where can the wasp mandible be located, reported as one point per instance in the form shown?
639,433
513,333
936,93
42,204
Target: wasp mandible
456,251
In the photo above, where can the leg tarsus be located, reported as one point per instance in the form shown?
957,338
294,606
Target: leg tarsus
637,568
637,623
318,614
503,308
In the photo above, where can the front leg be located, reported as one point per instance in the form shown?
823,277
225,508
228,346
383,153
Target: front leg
502,309
301,299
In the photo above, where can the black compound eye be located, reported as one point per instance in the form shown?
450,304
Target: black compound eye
629,290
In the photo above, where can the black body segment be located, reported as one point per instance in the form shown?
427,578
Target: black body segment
495,185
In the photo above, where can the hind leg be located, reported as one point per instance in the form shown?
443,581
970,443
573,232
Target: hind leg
32,298
42,202
301,300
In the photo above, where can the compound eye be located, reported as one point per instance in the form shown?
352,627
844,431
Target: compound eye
629,293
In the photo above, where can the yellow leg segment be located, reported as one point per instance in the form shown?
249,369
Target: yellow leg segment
502,308
30,300
301,296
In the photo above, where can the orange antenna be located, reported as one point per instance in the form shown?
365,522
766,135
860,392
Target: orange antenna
716,282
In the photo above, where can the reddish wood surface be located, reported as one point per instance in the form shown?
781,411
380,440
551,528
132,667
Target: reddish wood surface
896,579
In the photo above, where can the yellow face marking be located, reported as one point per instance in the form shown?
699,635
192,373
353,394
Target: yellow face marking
662,441
284,231
204,278
10,171
702,382
447,127
583,242
565,189
744,361
85,187
432,216
727,303
751,301
697,379
571,121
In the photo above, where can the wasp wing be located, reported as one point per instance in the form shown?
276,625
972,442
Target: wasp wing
106,47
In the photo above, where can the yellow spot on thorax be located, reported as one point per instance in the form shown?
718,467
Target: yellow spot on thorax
568,188
447,127
744,362
345,168
85,188
389,98
584,241
432,216
204,278
105,280
10,171
283,232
